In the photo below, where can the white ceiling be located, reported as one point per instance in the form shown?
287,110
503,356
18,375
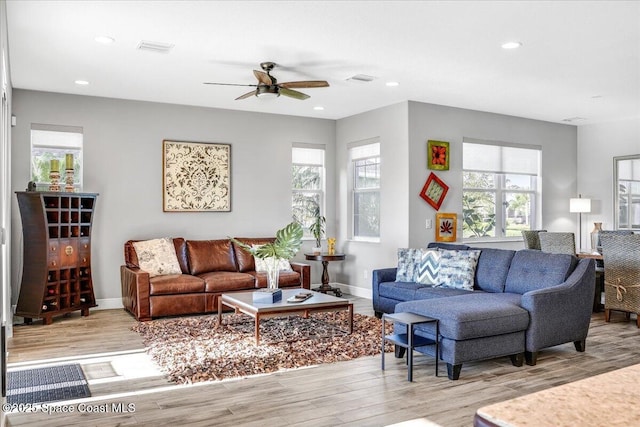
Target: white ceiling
578,59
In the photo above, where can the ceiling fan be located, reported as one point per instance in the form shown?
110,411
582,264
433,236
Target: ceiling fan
268,86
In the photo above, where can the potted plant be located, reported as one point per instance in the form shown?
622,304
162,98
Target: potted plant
317,230
285,246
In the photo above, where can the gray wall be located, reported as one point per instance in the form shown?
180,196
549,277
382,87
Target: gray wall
123,162
403,130
390,125
427,121
598,144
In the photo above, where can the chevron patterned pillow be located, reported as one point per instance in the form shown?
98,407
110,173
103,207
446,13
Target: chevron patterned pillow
427,271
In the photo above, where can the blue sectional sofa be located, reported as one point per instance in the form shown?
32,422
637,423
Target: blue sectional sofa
523,301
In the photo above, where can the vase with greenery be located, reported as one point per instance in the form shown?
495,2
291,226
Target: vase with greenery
317,228
285,246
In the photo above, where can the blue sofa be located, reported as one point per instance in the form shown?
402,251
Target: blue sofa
523,301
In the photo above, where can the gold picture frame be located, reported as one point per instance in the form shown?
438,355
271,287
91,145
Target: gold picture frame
196,177
446,226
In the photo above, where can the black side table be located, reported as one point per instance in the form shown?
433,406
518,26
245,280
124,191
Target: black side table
409,340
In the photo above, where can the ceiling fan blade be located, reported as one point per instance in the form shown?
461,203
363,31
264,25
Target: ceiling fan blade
246,95
263,77
303,84
293,93
228,84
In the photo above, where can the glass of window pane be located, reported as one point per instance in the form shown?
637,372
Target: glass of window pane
478,214
366,219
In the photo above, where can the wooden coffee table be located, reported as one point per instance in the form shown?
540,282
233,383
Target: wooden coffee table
242,302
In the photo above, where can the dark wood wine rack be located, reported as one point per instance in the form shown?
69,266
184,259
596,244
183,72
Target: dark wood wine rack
56,267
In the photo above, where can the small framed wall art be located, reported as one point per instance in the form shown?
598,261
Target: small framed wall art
196,177
446,224
438,155
434,191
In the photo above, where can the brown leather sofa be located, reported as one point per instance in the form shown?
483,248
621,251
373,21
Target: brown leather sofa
209,268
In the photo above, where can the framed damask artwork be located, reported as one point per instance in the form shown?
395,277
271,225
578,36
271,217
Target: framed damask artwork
446,224
434,191
196,177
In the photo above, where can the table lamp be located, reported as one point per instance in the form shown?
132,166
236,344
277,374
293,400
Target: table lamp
579,205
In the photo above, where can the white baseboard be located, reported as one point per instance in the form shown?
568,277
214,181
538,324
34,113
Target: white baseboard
108,304
351,290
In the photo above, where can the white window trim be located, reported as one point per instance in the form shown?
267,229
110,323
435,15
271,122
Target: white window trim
323,181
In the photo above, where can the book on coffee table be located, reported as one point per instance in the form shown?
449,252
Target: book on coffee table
299,297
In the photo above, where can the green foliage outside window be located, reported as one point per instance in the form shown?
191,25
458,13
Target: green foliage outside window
305,204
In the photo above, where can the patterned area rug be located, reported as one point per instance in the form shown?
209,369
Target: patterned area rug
195,349
48,384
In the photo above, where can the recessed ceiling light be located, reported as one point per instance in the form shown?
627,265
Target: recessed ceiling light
511,45
81,82
392,84
318,108
104,39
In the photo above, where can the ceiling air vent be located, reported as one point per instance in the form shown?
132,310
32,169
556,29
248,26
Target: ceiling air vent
158,47
573,119
361,78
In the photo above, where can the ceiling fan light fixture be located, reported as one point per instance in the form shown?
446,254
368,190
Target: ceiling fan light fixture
267,92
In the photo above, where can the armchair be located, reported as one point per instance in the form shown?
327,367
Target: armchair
621,275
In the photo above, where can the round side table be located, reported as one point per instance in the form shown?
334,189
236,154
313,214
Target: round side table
325,259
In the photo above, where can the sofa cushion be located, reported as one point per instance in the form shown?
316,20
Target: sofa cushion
458,268
221,281
175,284
157,256
430,292
210,255
244,259
401,291
474,315
531,269
492,269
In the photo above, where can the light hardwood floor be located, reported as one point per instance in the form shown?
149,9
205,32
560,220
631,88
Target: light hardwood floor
354,393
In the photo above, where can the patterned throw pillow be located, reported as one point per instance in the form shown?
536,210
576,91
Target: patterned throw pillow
261,263
408,263
458,269
157,257
428,271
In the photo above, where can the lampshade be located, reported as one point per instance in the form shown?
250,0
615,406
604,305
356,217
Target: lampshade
579,205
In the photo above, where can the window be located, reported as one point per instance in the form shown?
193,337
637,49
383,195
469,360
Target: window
307,183
54,143
501,194
365,167
627,192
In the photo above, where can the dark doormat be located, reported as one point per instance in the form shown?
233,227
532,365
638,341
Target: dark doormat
50,384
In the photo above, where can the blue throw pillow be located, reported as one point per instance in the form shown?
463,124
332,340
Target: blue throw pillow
408,262
458,269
